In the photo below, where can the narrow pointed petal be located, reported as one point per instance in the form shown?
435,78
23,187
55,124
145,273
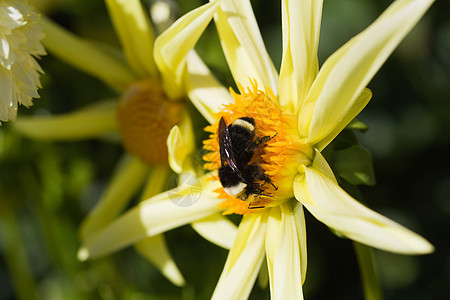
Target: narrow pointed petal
244,260
300,224
320,164
174,44
86,56
206,93
127,179
135,33
243,45
153,216
156,181
272,236
353,111
177,149
181,146
90,122
299,65
346,73
217,229
333,206
155,250
284,252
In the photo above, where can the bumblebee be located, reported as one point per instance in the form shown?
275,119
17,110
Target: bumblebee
237,143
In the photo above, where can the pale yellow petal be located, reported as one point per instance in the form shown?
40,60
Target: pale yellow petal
156,181
86,56
333,206
92,121
126,181
244,260
181,145
320,164
217,229
299,65
174,44
272,236
357,106
135,33
154,216
155,250
300,224
284,251
343,77
243,45
206,93
177,149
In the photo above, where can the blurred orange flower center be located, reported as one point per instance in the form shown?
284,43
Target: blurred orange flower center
145,117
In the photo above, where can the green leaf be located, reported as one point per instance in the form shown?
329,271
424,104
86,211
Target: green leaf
345,139
357,125
354,164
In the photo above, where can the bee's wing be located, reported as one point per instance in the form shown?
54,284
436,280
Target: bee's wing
226,147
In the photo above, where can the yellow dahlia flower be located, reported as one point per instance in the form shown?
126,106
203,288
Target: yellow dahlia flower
20,45
303,109
143,113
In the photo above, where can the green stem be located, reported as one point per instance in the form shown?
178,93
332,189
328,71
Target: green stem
15,257
156,182
94,59
367,266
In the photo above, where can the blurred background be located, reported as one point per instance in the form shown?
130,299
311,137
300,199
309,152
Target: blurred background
46,189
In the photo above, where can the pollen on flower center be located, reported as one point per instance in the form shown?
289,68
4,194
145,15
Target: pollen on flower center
145,117
278,157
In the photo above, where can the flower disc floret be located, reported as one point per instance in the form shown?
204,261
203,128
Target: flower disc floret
145,117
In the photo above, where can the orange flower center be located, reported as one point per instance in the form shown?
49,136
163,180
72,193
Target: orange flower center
279,157
145,117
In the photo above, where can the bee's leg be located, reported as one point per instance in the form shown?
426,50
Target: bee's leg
258,193
254,207
255,189
259,141
261,194
258,172
267,179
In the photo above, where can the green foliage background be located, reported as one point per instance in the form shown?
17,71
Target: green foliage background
46,189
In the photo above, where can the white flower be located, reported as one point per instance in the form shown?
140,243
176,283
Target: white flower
20,38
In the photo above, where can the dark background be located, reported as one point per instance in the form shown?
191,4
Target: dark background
47,188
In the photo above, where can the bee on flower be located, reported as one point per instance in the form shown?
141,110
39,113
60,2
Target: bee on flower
295,114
